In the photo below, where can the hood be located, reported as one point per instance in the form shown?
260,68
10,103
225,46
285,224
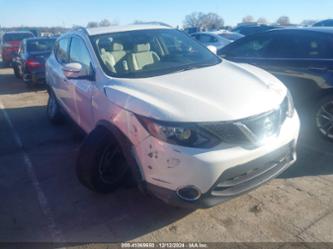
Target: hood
224,92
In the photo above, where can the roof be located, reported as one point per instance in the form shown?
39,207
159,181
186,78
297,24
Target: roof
328,30
18,32
114,29
204,32
40,38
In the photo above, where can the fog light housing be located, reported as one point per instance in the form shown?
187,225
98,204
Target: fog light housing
189,193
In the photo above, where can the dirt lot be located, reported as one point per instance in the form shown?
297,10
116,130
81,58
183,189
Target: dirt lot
41,199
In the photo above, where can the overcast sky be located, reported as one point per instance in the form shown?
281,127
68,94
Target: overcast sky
80,12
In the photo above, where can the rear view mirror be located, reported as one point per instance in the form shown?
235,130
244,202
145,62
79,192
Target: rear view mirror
212,49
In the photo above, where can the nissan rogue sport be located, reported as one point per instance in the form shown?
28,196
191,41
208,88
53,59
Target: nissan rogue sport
161,109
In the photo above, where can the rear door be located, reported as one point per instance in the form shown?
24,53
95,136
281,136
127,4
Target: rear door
82,88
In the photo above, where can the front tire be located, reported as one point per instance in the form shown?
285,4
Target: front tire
53,110
101,164
324,117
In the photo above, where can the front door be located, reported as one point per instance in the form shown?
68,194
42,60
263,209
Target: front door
82,88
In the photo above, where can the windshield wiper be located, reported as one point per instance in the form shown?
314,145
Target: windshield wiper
192,67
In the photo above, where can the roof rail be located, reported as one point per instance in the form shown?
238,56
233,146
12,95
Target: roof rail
80,28
154,23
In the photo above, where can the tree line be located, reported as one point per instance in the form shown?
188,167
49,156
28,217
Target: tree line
209,21
203,21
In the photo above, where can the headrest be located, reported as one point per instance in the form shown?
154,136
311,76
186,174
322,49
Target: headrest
117,47
105,43
142,47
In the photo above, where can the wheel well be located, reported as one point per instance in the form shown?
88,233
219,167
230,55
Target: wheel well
126,147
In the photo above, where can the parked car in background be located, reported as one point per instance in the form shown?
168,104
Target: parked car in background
324,23
191,30
29,62
211,39
229,35
252,29
302,58
11,42
191,128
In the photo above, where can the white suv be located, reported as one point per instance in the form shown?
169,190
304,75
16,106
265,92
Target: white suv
160,108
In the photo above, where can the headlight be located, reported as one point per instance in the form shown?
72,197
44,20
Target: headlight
184,134
287,106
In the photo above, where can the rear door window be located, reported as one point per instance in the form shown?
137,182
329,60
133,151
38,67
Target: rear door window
315,46
299,45
41,45
16,36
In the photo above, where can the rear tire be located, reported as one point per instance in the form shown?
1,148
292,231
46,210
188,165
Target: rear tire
54,112
17,72
323,117
101,165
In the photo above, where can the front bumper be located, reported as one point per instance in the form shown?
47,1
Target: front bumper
167,168
236,180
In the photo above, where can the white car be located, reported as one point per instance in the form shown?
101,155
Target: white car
190,128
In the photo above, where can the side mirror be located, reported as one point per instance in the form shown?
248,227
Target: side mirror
74,71
212,49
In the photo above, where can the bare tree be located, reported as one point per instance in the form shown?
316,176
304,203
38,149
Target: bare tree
203,21
92,25
212,21
283,21
262,20
193,20
248,19
104,23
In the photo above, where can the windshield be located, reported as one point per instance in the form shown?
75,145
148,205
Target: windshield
41,45
16,36
147,53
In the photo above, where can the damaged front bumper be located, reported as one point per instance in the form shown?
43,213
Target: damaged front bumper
234,181
212,176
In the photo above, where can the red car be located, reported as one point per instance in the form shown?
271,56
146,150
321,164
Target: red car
11,42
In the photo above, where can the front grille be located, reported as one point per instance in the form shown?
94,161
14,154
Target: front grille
250,131
242,178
